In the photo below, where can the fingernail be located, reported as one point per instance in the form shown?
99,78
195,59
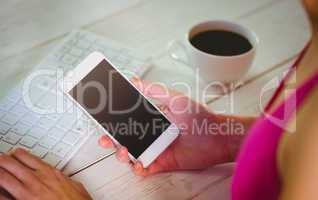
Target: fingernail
122,156
101,138
103,142
138,167
122,151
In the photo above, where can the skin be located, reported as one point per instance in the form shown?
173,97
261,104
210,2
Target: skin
26,177
297,159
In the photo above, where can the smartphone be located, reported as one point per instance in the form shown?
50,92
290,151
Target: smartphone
119,109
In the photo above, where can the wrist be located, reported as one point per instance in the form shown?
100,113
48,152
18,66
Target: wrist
233,146
235,136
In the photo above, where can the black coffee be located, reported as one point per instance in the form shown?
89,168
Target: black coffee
222,43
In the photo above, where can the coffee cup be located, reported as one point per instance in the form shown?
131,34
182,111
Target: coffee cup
220,50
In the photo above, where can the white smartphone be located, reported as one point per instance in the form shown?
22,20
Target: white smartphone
120,109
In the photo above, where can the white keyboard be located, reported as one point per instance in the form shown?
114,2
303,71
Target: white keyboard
56,134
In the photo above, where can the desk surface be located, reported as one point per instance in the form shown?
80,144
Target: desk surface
29,30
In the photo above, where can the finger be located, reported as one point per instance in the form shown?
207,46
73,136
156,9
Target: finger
139,170
105,142
122,154
177,102
68,182
28,159
17,169
2,197
156,90
79,187
12,185
165,109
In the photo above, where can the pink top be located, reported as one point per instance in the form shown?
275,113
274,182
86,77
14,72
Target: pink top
256,175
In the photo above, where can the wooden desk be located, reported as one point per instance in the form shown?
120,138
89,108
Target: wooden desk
29,30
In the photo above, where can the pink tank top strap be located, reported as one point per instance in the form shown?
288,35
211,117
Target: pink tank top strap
291,71
296,99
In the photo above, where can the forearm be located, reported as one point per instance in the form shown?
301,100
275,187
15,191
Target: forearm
237,134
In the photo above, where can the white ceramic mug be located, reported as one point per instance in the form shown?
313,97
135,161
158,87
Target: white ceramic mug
226,69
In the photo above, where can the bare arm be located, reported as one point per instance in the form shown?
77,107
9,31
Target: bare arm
298,160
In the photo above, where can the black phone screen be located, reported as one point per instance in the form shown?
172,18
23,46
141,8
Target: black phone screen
119,107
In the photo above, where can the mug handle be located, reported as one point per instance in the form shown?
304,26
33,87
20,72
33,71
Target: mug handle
176,45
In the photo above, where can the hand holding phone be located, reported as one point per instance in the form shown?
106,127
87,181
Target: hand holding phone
193,149
119,109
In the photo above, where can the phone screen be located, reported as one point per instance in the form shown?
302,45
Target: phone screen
119,107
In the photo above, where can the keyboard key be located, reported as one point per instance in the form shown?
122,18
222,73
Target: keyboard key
48,103
37,132
56,133
20,128
122,59
6,104
15,94
89,38
61,149
39,151
66,48
46,123
78,111
12,138
18,146
62,66
67,103
54,116
10,118
46,82
52,159
28,141
30,118
76,52
19,110
2,113
71,138
5,147
82,44
4,128
70,42
67,121
51,102
22,103
55,56
136,64
34,93
48,142
69,59
81,127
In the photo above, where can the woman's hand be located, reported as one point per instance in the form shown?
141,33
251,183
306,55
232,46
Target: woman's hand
201,143
26,177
